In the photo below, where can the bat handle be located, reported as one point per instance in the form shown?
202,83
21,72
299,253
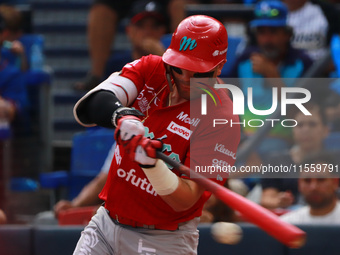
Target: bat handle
168,160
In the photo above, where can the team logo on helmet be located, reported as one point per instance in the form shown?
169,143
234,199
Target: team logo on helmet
187,42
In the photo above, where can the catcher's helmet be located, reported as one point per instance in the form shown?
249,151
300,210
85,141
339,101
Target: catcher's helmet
199,44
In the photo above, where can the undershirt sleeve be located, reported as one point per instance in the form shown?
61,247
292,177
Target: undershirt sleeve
98,109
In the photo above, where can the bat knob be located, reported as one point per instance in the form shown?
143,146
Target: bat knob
298,242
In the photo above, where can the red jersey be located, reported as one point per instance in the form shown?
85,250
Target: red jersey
127,191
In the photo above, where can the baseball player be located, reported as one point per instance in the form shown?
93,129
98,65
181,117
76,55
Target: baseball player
149,207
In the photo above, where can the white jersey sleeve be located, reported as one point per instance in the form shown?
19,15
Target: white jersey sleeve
122,87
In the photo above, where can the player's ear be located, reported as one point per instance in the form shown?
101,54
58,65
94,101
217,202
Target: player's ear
220,66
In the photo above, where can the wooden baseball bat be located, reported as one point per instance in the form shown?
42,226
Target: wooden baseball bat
284,232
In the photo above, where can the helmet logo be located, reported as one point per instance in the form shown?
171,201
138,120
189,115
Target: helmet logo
187,42
217,52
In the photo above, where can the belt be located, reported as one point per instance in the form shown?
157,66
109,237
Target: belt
128,222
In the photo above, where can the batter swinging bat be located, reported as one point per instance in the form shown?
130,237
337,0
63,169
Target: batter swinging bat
284,232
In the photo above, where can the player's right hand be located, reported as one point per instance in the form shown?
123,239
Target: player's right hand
143,150
128,127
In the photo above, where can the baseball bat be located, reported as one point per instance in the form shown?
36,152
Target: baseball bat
284,232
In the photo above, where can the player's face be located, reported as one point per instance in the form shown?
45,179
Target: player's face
182,80
310,131
318,192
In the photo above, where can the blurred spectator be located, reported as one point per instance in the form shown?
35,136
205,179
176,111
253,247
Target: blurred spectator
319,190
308,135
145,30
13,50
333,101
3,218
13,97
13,103
88,196
332,109
214,210
207,214
314,22
335,52
272,57
103,20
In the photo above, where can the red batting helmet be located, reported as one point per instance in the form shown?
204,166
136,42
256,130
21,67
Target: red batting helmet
199,44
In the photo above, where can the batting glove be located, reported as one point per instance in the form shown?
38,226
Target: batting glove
145,153
127,127
143,150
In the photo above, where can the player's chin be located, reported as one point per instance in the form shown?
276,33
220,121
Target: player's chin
185,95
190,94
184,91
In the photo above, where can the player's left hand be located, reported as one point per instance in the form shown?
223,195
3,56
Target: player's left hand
143,150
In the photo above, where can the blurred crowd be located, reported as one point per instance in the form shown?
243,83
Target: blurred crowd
282,42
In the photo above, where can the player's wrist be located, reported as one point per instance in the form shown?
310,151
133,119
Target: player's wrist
162,179
124,111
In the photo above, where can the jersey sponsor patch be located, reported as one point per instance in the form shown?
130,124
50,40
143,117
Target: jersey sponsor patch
146,97
219,162
179,130
220,148
131,177
185,117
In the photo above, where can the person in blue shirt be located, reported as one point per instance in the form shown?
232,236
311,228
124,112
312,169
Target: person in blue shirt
271,57
13,95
